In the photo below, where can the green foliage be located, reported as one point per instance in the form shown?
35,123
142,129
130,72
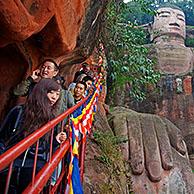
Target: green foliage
141,8
142,11
109,146
189,42
112,158
188,8
127,58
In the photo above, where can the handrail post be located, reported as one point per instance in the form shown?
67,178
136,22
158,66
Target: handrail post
35,162
8,177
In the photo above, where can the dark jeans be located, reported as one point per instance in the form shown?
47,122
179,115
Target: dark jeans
21,176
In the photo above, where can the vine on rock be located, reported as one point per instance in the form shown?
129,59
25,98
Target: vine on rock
127,56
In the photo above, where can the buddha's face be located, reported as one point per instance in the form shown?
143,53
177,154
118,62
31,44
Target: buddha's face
169,21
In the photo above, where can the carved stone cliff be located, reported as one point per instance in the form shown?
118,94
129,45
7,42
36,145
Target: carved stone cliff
174,98
30,31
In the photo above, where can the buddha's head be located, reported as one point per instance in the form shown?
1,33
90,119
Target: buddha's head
168,22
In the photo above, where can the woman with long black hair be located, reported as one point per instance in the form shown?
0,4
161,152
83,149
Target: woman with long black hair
41,106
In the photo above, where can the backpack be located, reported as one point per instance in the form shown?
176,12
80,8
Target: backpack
10,132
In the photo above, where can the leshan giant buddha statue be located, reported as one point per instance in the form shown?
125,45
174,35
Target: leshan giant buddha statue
175,62
168,33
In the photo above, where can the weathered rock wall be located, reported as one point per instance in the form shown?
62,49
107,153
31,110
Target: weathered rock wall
13,67
154,157
65,30
60,22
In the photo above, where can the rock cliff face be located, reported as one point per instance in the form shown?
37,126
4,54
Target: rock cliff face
30,31
152,157
56,22
173,99
173,59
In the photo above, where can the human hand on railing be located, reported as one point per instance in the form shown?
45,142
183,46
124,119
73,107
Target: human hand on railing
91,90
66,127
61,137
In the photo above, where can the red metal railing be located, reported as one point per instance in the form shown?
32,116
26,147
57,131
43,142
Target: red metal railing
40,179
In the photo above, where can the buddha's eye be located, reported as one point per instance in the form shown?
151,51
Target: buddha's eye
164,15
181,19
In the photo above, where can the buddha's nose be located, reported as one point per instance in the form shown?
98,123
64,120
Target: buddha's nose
174,24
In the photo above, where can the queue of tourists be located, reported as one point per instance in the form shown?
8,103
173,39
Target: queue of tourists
46,98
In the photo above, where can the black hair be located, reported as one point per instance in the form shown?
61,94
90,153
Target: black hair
85,64
83,83
86,78
168,5
52,61
60,79
37,107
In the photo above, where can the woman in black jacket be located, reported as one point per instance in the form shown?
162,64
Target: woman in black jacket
41,106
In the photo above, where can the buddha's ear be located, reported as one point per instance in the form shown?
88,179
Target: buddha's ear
150,30
150,27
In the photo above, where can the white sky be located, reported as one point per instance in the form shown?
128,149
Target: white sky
125,1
